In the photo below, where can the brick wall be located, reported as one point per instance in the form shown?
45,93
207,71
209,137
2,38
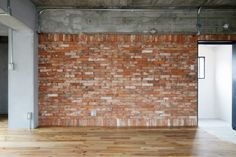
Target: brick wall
130,80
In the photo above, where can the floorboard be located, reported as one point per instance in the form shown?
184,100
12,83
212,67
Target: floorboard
112,142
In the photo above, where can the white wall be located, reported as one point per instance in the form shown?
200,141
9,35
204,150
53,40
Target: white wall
215,92
206,87
224,82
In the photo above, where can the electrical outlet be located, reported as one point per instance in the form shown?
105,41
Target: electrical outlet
11,66
29,115
93,113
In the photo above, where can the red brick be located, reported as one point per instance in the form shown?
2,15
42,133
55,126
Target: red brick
130,80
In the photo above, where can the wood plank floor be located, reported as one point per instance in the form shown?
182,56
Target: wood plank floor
112,142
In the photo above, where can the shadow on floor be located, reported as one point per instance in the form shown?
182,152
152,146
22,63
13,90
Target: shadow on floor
218,128
3,121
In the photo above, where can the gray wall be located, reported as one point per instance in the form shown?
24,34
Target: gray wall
3,75
22,81
23,10
3,30
3,5
137,21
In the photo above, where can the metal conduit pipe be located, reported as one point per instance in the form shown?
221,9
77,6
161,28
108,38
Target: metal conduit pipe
11,52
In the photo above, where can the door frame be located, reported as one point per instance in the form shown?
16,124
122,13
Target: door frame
221,42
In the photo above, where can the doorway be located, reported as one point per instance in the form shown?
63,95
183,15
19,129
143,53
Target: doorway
215,98
215,82
3,80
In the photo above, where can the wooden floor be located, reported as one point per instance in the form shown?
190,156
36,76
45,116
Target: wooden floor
73,142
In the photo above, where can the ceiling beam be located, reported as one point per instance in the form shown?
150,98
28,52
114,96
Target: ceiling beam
135,4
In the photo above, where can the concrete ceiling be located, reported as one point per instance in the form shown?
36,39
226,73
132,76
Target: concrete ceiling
135,4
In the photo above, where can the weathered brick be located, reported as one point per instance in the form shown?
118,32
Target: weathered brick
52,95
130,80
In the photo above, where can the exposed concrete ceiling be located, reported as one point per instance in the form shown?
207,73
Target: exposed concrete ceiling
135,4
3,30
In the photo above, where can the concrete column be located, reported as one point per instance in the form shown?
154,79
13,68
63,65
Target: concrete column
23,80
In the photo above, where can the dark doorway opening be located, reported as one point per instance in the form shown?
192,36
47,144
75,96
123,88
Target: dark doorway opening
3,80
